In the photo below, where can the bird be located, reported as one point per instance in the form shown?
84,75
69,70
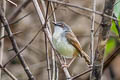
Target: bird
66,43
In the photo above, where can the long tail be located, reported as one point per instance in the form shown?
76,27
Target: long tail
86,57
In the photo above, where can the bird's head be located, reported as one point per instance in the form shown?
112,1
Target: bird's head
62,25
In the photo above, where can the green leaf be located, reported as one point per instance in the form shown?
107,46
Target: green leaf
114,29
110,46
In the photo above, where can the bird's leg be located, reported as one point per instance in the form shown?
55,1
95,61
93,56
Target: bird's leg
64,62
68,65
73,58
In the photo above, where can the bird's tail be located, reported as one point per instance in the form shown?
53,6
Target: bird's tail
86,57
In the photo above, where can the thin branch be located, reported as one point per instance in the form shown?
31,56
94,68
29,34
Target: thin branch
111,57
46,40
1,48
107,62
82,14
14,44
83,8
14,22
54,68
23,48
12,2
81,74
2,37
53,11
92,35
8,73
47,57
92,32
2,41
18,20
18,10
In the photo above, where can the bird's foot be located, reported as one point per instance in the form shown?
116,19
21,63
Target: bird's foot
90,66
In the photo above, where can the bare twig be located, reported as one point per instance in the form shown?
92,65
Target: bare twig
8,73
23,48
53,11
82,14
46,40
14,44
14,22
111,57
48,60
81,74
107,62
2,37
102,40
92,35
54,68
12,2
1,49
2,34
18,10
92,32
83,8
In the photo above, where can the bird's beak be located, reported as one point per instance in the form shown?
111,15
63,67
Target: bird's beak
54,22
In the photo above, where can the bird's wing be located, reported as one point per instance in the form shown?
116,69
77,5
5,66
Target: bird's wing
73,40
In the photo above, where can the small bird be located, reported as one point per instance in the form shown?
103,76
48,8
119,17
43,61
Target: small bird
66,43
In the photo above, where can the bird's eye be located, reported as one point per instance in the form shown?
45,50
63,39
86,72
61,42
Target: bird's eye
62,25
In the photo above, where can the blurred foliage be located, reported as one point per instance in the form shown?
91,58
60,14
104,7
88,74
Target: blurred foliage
117,9
114,29
111,44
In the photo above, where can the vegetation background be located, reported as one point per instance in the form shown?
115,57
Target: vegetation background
34,54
